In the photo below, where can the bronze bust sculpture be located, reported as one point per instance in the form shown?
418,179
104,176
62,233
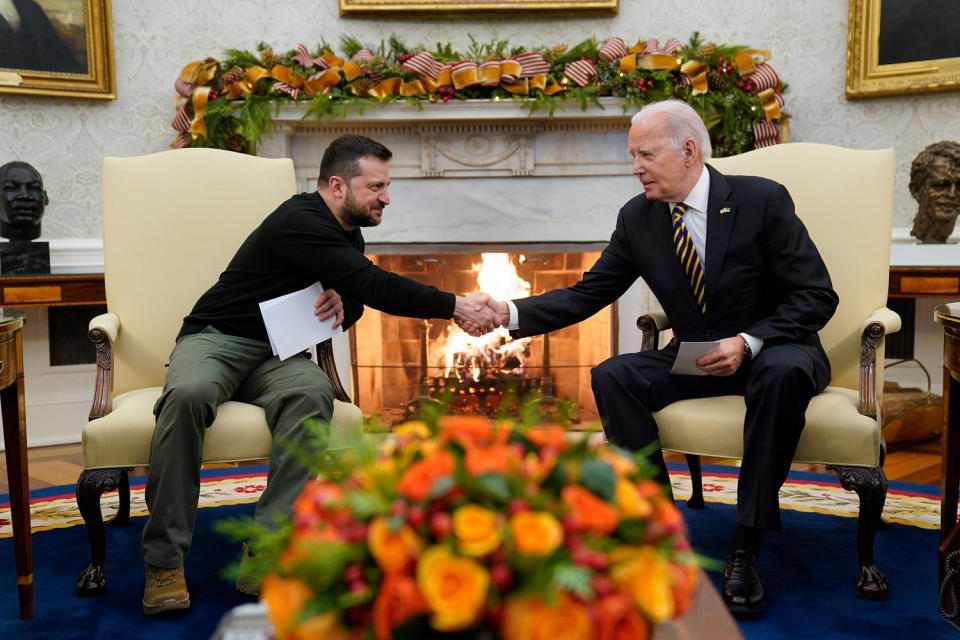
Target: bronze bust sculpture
22,202
935,185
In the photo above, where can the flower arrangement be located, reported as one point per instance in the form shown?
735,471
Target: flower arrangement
228,103
463,527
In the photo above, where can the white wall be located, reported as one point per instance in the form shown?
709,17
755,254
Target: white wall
66,138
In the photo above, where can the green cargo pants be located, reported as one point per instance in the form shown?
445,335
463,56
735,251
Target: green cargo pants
207,369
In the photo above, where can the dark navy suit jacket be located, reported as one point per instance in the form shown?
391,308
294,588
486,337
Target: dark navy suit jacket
764,276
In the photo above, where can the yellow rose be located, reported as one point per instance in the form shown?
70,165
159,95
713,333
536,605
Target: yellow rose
392,549
643,575
476,529
454,587
535,533
412,429
629,501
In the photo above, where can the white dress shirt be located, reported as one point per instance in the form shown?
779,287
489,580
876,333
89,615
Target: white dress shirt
695,220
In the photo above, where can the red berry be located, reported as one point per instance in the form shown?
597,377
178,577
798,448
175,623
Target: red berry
569,523
416,516
502,576
440,524
602,586
518,504
358,586
720,58
399,508
353,573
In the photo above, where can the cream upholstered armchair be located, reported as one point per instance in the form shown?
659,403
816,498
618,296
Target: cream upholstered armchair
171,223
845,199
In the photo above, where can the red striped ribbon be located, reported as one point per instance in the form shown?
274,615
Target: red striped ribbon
581,71
672,45
613,49
423,63
305,59
532,64
765,134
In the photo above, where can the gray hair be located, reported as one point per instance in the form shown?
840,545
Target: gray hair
682,124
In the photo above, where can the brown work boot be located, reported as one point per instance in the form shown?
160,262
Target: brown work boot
164,590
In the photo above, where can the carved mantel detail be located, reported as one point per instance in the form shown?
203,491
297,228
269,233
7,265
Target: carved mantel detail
467,140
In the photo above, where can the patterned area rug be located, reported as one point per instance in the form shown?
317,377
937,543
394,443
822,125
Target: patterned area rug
913,505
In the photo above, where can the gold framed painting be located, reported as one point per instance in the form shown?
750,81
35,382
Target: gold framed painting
898,48
357,7
57,48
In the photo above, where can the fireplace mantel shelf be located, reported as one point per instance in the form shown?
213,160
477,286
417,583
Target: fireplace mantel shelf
611,110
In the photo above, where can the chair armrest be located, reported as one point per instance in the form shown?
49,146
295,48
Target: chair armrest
329,367
880,323
103,331
650,325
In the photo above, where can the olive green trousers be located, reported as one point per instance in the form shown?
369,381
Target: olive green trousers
207,369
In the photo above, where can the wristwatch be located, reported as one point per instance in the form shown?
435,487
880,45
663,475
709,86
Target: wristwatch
747,351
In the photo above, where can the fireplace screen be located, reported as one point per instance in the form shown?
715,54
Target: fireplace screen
400,362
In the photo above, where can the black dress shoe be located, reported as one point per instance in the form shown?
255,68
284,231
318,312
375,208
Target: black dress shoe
742,586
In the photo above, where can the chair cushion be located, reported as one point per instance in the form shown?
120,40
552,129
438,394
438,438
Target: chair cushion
239,433
835,432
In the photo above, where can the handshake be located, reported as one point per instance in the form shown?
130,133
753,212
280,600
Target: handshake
478,313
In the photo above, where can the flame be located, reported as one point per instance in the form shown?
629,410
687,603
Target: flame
496,352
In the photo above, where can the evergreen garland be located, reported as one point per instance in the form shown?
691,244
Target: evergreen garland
729,109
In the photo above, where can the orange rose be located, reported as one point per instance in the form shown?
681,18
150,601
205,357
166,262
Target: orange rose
619,619
525,619
590,512
455,588
551,437
642,575
392,549
398,600
622,465
476,529
285,599
314,501
629,501
469,431
493,459
669,517
535,533
304,543
537,467
417,481
325,626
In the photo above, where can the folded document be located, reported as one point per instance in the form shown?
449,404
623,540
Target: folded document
291,325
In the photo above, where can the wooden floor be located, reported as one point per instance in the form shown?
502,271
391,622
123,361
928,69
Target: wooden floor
60,465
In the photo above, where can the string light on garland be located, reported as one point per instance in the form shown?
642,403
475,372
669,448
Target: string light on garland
229,103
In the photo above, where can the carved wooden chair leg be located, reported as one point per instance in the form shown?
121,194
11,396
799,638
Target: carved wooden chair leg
871,486
91,484
122,517
695,501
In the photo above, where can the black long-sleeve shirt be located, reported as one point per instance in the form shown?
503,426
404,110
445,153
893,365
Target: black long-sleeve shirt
298,244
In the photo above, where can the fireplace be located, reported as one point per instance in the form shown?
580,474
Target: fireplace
397,363
473,177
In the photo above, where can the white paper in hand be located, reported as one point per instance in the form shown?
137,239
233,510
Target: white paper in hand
291,325
688,354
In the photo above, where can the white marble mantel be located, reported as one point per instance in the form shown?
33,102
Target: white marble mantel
483,171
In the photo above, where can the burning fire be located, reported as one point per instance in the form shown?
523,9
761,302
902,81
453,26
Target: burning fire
496,353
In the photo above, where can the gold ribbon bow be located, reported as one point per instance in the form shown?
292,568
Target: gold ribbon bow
744,61
771,108
199,72
651,61
698,76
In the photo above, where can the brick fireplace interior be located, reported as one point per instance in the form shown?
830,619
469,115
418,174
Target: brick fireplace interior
397,361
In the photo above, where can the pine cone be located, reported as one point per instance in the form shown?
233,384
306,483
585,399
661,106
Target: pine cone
361,87
707,50
270,59
233,74
716,80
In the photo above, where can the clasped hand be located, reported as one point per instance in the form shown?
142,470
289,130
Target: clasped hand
478,313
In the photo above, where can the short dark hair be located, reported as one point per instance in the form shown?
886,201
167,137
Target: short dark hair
342,157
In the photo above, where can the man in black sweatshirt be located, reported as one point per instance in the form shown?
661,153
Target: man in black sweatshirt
223,352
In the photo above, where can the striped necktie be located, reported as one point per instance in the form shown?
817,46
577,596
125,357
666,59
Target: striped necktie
687,253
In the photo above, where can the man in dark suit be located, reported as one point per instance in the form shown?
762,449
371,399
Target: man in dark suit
729,261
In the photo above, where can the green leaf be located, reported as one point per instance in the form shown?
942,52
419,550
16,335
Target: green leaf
574,578
495,486
598,476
